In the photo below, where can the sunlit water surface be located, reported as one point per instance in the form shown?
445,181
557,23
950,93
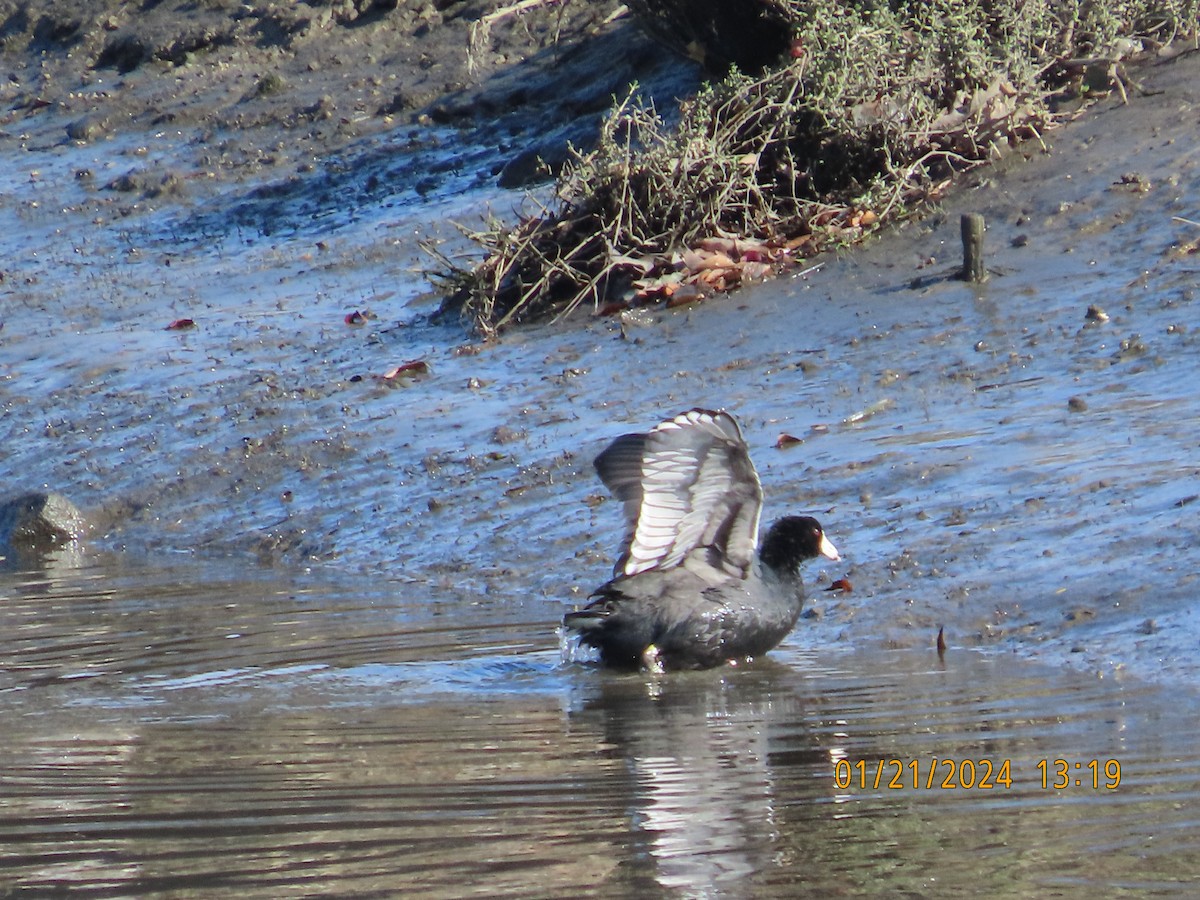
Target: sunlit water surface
186,729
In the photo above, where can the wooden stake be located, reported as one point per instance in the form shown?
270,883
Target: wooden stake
972,238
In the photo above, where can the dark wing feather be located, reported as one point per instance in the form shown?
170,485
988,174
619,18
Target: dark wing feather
686,485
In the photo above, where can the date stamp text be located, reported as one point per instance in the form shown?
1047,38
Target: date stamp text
973,774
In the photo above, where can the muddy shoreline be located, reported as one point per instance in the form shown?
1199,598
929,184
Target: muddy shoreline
1023,481
314,108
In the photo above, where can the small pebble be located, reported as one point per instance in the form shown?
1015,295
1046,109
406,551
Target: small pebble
502,434
1077,404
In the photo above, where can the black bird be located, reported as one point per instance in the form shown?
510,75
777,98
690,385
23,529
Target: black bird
692,587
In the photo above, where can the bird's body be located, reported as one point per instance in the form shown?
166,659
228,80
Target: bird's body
691,588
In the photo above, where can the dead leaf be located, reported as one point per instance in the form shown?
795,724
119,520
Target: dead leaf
761,253
785,440
714,261
410,369
797,242
180,325
718,245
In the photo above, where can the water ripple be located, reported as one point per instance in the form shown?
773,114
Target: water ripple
322,739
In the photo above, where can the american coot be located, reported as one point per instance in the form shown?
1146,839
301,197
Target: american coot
692,589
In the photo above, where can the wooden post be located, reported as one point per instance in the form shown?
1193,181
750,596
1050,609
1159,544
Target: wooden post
972,238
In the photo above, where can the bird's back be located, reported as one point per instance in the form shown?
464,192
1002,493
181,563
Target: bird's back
691,620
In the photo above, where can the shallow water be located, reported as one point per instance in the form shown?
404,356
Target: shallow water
177,730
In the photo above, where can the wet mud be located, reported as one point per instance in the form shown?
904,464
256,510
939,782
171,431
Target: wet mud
200,318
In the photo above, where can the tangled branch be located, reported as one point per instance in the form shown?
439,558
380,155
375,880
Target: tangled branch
875,109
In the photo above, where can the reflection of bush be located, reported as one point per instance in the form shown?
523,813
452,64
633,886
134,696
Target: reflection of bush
863,110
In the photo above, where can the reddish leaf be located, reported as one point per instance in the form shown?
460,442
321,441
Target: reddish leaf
408,369
787,440
180,324
658,288
728,246
713,261
842,584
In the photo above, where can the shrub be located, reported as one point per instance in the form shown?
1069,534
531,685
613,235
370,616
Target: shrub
873,109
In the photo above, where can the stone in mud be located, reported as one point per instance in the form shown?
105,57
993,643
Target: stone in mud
37,522
148,184
88,128
546,157
524,169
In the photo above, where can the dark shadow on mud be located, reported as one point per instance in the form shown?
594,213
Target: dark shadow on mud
514,130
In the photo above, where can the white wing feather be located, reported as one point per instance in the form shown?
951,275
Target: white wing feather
689,488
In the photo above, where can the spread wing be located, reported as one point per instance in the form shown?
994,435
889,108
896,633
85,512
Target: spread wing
687,485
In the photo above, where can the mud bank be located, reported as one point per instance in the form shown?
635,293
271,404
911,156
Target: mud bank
987,458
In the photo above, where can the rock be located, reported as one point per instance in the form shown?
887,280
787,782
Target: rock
502,434
88,128
148,184
34,523
524,169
